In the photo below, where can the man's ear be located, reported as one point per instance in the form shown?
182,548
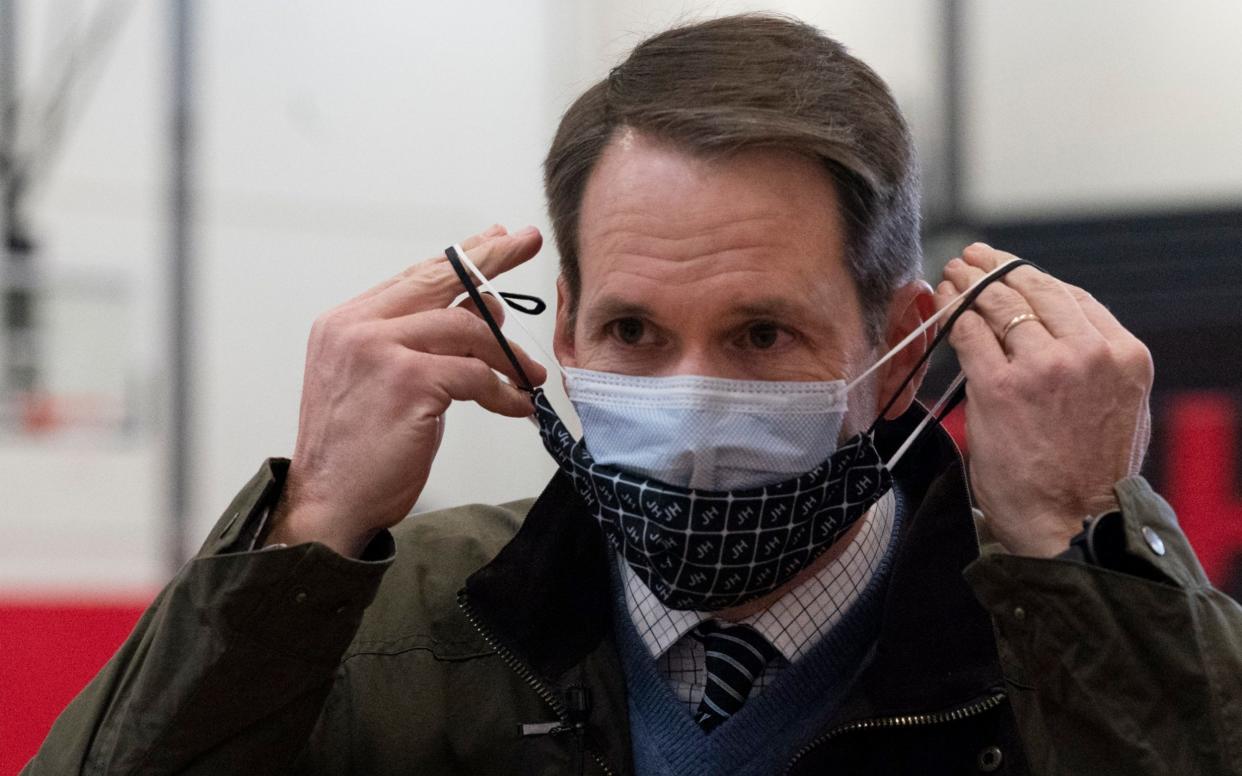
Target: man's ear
563,336
912,304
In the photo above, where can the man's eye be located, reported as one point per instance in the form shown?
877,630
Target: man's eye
628,330
763,336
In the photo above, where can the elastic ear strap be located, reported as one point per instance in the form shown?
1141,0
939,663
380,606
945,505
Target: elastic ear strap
967,299
931,321
951,397
454,259
483,281
536,305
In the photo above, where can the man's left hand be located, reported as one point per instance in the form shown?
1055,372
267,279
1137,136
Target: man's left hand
1057,406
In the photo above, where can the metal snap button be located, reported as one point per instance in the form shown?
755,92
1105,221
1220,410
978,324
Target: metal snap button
1019,613
299,596
990,759
1153,540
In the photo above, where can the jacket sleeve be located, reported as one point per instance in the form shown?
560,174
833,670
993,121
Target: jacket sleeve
228,670
1134,668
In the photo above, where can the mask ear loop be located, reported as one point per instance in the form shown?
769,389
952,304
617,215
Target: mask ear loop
455,255
957,389
535,305
948,400
966,298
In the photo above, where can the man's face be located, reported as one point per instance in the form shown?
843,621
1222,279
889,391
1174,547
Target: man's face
731,267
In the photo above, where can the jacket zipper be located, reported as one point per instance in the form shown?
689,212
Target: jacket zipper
971,709
526,674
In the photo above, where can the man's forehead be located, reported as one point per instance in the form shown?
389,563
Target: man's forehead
755,233
656,200
767,280
637,170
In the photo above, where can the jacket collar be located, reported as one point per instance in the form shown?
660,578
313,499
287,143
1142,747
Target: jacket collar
936,647
547,594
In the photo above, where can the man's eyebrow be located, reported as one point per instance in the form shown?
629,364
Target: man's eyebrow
612,307
779,307
768,307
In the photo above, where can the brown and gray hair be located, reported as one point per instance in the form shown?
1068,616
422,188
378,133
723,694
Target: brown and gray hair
757,81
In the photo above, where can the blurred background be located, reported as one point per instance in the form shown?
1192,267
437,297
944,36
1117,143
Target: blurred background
187,184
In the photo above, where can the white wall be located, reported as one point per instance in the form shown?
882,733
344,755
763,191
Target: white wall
1102,106
340,147
339,143
84,514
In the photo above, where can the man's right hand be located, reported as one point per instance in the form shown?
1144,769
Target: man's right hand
381,370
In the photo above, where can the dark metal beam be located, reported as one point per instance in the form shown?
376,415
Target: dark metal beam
953,44
181,264
17,289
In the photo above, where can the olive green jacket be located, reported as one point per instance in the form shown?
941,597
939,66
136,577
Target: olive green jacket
478,640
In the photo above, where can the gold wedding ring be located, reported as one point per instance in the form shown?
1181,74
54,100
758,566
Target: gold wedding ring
1014,321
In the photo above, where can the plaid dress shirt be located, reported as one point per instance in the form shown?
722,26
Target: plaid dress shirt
793,624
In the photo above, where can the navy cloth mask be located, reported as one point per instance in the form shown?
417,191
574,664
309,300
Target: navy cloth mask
710,549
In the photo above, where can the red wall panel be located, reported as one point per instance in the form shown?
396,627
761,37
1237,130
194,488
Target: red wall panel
49,650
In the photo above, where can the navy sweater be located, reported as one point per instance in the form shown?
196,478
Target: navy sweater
772,726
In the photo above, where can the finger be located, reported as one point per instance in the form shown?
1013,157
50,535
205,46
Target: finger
1044,295
944,294
998,305
458,332
434,283
977,348
1099,316
984,256
498,312
469,379
1126,347
494,306
495,230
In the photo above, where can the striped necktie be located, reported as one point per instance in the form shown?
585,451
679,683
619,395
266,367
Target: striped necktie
735,657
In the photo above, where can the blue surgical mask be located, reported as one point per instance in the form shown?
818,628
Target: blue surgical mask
704,494
708,433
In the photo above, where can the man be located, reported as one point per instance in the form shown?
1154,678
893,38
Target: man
736,211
